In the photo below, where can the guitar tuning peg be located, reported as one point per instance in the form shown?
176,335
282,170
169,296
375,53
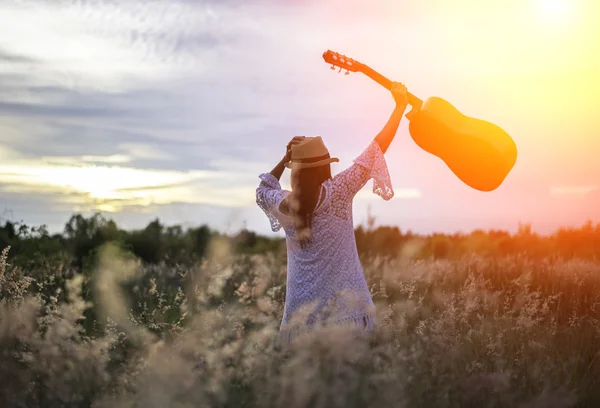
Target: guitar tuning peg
340,70
347,73
332,68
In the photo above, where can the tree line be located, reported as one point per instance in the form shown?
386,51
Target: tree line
158,243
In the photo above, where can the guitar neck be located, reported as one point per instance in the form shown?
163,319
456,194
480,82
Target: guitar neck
387,84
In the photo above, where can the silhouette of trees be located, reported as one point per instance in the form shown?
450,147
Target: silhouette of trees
157,243
85,235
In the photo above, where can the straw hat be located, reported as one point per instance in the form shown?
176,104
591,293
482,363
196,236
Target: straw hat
310,152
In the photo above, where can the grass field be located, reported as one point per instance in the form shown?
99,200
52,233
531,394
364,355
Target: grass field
474,332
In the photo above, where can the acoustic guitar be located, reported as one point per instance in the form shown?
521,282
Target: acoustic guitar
478,152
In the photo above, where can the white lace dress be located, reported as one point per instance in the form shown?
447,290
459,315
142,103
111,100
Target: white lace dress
326,279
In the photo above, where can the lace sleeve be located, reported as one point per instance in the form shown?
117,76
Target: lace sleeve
370,164
268,196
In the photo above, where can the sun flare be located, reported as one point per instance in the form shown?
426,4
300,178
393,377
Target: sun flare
555,9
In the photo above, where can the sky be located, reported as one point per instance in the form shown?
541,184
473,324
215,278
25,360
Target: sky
171,109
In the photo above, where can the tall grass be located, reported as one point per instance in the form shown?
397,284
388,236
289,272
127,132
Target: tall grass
477,332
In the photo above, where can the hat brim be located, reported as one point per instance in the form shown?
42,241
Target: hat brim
297,165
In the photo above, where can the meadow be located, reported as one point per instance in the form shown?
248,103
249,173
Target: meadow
473,324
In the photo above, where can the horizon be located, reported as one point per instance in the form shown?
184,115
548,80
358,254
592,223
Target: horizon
171,110
523,226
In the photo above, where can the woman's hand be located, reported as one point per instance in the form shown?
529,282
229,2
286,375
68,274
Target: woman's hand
278,170
288,150
400,94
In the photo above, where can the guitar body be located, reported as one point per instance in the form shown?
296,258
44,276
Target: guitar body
478,152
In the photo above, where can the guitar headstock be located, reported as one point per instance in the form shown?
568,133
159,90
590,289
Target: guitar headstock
341,61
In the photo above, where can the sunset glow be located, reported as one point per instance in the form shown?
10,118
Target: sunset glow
111,188
106,108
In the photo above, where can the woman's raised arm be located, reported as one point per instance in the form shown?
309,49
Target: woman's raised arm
385,137
371,163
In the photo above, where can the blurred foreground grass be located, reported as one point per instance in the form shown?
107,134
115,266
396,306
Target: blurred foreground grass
474,332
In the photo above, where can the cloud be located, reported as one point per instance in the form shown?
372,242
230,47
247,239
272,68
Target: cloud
366,193
573,191
135,106
113,187
8,57
155,71
105,46
75,161
153,106
144,151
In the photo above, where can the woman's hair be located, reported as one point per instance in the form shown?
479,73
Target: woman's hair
306,186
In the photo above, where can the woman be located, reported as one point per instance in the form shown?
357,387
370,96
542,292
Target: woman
325,280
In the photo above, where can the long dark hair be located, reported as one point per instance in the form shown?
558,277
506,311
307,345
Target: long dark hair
306,186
